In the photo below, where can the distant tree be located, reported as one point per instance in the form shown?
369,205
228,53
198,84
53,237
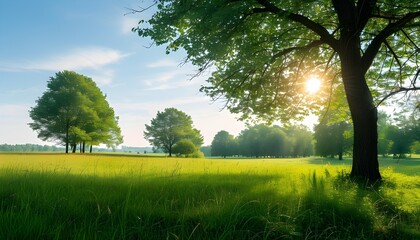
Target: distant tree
169,127
400,140
73,110
301,139
184,147
415,147
331,139
206,150
277,143
223,144
265,141
249,142
384,143
28,148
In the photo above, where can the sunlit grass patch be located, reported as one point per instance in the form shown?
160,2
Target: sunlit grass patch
108,197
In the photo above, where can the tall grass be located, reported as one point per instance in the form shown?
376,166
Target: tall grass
117,197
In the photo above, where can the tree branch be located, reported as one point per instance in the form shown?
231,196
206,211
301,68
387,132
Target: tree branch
323,33
142,9
409,39
390,29
288,50
401,89
364,11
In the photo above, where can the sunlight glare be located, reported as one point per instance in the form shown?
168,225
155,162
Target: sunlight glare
313,85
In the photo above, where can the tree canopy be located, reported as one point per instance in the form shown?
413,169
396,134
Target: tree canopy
223,144
73,110
261,52
169,127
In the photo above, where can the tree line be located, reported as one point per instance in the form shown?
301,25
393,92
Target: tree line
264,141
29,148
397,136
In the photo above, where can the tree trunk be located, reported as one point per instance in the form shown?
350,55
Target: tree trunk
364,116
67,136
83,147
73,148
90,150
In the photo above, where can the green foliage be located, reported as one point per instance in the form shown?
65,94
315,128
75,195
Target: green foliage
275,141
223,144
184,147
267,49
262,52
415,147
331,139
169,127
28,148
73,110
397,136
196,154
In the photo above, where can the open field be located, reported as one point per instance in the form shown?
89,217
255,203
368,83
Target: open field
55,196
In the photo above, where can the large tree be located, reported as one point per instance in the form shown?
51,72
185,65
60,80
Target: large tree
223,144
73,110
261,50
169,127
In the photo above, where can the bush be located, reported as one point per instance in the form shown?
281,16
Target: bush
184,147
197,154
415,147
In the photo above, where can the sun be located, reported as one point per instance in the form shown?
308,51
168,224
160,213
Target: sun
312,85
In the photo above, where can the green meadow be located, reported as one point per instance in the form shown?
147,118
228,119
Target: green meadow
58,196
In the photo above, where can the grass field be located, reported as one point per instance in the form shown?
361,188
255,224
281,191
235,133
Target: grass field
57,196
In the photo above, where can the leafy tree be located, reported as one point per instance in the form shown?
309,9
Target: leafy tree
250,143
169,127
276,143
262,50
402,136
73,110
415,147
331,139
384,144
184,147
223,144
400,143
301,139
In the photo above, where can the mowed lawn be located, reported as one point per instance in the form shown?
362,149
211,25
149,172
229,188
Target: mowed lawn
58,196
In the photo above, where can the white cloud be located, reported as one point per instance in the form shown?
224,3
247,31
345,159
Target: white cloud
162,78
104,77
163,63
84,58
154,106
171,80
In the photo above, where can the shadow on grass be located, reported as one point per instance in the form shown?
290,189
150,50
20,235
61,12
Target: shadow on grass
37,205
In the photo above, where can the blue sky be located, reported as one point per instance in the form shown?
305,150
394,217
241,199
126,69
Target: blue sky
94,38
